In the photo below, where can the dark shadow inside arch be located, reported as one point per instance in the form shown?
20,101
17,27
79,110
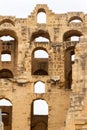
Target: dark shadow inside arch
40,72
11,33
41,10
4,73
68,67
39,123
6,117
6,52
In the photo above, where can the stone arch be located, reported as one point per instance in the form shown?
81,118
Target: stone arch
75,18
39,65
12,46
41,16
7,21
6,113
41,10
6,32
39,120
38,33
5,73
69,33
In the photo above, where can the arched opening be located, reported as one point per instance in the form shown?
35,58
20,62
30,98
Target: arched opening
75,19
4,73
40,62
40,34
39,87
69,61
39,118
5,56
41,16
8,32
6,113
8,49
72,35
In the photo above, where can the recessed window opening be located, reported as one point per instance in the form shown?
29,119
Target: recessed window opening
40,107
5,57
41,17
41,39
6,38
5,73
4,102
39,87
40,54
6,112
74,38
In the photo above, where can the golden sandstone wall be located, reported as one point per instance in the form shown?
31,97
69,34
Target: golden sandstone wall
65,80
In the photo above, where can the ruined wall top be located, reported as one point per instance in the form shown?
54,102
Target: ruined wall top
51,16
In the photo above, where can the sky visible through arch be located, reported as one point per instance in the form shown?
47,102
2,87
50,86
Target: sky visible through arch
23,8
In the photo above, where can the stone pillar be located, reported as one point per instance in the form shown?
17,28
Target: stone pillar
79,89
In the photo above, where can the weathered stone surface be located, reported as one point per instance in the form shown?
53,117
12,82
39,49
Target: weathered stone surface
65,79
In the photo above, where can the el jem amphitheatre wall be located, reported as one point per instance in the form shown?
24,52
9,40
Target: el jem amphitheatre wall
57,81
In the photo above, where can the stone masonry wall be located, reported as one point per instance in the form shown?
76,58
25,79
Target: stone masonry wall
65,81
